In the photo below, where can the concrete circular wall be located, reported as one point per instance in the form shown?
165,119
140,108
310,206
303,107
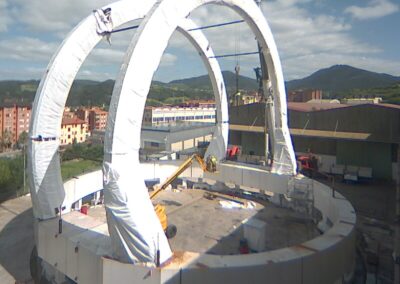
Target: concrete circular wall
325,259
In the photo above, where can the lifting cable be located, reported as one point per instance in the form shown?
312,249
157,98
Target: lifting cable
235,54
217,25
194,29
125,29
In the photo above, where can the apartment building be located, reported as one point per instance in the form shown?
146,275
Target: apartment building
83,113
73,130
304,95
95,118
14,120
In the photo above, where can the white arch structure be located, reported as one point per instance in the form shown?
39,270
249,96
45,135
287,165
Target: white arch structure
122,142
44,167
47,190
136,234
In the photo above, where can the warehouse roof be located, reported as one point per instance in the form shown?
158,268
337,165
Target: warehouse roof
308,107
73,120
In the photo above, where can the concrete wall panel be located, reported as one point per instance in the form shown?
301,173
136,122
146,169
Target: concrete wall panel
324,259
121,273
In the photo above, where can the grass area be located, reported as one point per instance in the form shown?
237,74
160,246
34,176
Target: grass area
77,167
390,94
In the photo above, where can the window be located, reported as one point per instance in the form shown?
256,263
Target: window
158,119
154,144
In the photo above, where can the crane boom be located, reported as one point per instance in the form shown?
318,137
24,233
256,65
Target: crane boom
186,164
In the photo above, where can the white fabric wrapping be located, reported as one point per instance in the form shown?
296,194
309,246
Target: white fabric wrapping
46,184
104,22
219,141
135,231
146,50
130,211
51,95
122,140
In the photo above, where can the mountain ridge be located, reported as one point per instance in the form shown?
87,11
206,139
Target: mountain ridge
335,81
340,78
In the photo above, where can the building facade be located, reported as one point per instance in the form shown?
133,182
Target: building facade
161,115
365,135
14,120
73,130
304,95
95,118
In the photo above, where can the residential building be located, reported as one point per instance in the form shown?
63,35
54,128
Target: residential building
73,130
198,103
83,113
251,98
14,120
304,95
95,118
68,113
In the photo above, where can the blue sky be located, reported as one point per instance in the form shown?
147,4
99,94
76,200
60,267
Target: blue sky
310,34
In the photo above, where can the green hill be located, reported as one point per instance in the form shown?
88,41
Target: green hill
338,81
343,78
86,92
203,82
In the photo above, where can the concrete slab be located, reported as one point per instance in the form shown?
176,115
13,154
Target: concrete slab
16,239
204,226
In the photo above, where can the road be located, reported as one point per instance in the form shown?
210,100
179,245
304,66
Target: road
16,240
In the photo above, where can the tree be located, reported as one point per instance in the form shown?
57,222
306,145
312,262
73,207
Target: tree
6,139
5,174
22,140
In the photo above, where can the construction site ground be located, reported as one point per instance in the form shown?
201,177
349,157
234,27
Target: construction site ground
205,226
374,202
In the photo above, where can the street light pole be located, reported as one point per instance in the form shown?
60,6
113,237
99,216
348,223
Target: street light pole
396,252
24,159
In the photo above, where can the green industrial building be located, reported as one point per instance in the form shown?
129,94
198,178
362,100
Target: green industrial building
365,135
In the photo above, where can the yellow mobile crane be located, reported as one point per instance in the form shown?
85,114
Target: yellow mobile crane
210,166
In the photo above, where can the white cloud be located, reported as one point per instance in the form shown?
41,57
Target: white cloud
27,49
308,42
323,60
5,18
26,73
88,74
374,9
168,59
298,33
50,15
106,56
